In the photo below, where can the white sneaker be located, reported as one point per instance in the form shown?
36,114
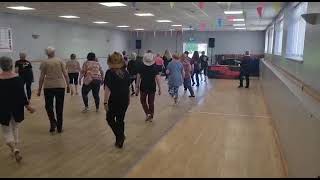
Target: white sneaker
86,109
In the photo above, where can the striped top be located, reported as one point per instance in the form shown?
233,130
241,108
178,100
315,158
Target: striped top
93,69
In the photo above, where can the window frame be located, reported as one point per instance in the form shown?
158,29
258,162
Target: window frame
278,35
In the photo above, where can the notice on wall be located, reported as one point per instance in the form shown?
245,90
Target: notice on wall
5,39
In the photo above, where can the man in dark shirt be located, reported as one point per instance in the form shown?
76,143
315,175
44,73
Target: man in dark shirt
245,70
204,64
24,68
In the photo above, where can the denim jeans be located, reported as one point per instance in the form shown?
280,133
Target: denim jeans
187,85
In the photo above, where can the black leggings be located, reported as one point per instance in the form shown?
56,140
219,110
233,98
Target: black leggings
73,77
196,73
115,118
49,95
95,87
28,88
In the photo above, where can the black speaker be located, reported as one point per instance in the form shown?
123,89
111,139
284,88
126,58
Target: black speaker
211,42
138,44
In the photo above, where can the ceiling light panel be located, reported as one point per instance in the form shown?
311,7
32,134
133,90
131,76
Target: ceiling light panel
237,20
139,29
163,21
233,12
69,17
100,22
240,28
143,14
21,8
176,25
113,4
123,26
239,24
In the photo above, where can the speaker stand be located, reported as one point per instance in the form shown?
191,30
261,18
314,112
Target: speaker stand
211,55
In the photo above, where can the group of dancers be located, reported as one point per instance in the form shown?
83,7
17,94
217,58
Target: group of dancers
57,78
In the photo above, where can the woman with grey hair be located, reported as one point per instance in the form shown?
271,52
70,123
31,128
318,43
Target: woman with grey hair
54,79
13,101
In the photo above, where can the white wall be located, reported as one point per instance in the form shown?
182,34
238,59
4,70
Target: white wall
67,38
235,42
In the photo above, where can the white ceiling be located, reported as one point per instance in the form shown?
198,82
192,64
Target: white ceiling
185,13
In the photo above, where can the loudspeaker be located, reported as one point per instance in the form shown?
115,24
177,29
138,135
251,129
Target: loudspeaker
211,42
138,44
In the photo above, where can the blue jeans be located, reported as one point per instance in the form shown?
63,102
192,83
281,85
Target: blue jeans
173,91
187,85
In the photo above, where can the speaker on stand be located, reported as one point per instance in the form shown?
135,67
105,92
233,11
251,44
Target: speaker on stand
138,45
211,45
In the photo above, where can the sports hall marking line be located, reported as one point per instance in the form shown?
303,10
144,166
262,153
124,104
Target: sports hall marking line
223,114
198,138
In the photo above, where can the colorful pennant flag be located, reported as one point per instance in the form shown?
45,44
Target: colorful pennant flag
201,5
202,26
276,6
259,10
172,4
219,23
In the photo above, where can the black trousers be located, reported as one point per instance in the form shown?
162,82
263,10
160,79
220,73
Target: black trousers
196,73
58,94
247,78
115,118
95,87
133,78
28,88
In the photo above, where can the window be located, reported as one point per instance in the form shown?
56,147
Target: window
270,40
191,47
266,42
278,36
296,32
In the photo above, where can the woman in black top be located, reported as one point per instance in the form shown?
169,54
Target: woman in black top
12,103
132,69
24,68
195,61
117,96
147,78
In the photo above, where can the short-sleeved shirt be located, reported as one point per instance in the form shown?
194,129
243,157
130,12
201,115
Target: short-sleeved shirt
73,66
53,69
24,70
119,87
93,68
175,73
159,61
148,75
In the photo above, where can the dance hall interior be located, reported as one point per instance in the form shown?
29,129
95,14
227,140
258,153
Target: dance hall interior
159,89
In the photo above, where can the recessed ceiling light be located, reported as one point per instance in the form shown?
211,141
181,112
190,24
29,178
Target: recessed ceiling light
100,22
240,28
164,21
236,19
176,25
69,17
22,8
233,12
143,14
239,24
123,26
113,4
139,29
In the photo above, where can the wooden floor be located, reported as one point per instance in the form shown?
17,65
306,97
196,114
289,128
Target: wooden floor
223,132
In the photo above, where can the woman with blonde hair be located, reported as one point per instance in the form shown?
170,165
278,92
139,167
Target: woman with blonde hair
176,75
116,96
167,58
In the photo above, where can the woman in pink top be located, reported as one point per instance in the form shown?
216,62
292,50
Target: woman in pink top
159,63
93,78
